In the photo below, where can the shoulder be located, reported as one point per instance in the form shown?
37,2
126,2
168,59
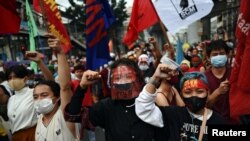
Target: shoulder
216,118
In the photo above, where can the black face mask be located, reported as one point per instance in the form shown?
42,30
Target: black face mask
125,86
194,103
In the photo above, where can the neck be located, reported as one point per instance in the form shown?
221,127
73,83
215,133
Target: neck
201,112
219,72
47,117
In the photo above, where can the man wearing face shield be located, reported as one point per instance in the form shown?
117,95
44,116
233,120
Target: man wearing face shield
116,114
218,77
177,122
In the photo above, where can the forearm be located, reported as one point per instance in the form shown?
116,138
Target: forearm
46,72
145,107
63,71
212,98
75,105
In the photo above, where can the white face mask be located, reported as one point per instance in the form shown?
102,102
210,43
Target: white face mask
143,67
44,106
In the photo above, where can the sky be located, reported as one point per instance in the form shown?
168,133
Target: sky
65,3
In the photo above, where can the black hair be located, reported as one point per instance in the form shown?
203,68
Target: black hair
79,67
216,45
19,70
55,87
129,63
2,76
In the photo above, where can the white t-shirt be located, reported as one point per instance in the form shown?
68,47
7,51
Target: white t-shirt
57,129
21,111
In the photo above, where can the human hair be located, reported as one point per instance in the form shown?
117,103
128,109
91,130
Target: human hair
129,63
55,87
19,70
79,67
193,75
216,45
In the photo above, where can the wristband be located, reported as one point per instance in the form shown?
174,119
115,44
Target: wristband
154,82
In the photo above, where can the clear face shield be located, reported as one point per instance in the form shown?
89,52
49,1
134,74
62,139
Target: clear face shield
124,83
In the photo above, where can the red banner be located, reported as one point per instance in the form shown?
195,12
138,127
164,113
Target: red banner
240,87
55,25
143,16
10,20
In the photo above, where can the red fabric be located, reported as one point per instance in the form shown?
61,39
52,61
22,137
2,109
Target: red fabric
36,6
239,96
10,22
143,16
55,25
87,100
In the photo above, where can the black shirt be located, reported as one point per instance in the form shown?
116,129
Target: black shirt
180,125
120,122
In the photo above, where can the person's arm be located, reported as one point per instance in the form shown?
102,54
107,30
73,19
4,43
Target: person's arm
155,51
38,58
73,111
64,77
222,89
145,106
178,99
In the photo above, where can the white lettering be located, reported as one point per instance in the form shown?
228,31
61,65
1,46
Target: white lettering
215,132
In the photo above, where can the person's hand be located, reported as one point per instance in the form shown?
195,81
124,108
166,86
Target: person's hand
224,87
163,71
89,77
34,56
54,43
152,40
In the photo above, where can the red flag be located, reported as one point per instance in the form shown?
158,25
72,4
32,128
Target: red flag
143,16
36,6
239,95
55,25
10,20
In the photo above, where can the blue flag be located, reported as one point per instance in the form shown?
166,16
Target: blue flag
99,18
179,51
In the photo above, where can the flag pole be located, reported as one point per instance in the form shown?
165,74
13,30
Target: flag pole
163,29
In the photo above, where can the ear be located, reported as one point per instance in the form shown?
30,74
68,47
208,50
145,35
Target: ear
25,78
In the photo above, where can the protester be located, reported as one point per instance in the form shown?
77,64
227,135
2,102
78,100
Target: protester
21,112
177,121
51,99
116,114
218,77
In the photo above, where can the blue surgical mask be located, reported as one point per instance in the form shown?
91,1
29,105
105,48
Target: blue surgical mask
219,61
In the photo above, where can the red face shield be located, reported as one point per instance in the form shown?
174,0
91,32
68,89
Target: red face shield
124,83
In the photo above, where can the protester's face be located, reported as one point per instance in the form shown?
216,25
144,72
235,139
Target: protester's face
79,73
124,83
217,52
123,74
41,92
194,93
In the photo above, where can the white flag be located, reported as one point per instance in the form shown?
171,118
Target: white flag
179,13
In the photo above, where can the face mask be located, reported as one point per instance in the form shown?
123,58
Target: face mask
194,104
125,91
219,61
17,84
44,106
184,68
195,64
143,67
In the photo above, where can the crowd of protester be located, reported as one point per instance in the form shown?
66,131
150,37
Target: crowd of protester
140,95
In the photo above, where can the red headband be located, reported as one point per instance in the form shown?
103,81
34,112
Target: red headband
194,83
